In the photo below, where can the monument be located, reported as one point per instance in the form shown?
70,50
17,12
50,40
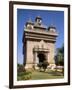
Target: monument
38,43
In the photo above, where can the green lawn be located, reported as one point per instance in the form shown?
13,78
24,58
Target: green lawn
34,75
46,75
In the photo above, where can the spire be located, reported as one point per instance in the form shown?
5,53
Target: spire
29,22
52,25
38,17
52,28
38,20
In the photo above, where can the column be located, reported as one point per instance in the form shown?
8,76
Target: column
35,60
47,56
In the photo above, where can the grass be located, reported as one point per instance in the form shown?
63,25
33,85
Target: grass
46,75
36,75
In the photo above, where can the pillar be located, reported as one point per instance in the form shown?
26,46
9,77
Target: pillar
35,60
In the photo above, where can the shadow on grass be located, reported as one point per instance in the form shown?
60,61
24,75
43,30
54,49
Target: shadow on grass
53,73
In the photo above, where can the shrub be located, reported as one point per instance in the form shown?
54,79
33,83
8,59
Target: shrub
20,69
43,65
24,75
40,65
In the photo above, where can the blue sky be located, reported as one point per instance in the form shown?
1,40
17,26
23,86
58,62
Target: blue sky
48,17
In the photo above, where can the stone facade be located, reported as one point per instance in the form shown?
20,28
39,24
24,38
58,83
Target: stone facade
38,43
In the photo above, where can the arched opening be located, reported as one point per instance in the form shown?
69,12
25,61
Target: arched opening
41,57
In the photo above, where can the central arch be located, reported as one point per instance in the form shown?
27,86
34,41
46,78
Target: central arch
41,57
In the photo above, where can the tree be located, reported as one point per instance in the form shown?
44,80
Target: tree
59,58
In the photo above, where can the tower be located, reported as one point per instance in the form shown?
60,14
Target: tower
38,43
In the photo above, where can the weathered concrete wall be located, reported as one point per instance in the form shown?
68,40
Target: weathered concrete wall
51,48
30,55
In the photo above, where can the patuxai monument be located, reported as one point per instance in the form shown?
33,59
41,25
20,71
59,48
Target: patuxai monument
38,43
